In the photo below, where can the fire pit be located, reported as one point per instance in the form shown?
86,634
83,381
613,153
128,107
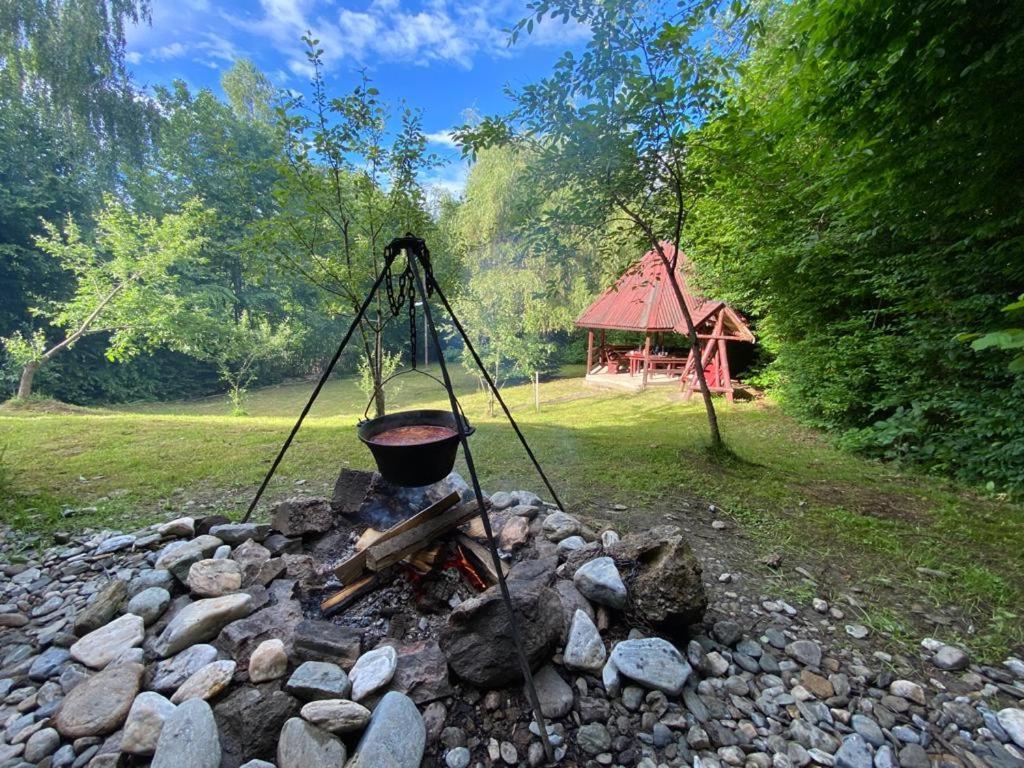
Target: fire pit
413,448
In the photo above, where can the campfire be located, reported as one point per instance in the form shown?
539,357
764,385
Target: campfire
429,538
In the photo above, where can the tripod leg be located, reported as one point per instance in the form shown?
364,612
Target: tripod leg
502,584
497,394
316,392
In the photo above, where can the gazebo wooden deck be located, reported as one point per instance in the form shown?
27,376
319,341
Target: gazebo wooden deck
642,301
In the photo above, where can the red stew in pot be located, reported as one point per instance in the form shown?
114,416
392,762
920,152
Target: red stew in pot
413,435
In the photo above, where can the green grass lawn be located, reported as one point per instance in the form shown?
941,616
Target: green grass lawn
859,521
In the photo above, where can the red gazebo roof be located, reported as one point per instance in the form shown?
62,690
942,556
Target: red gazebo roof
643,300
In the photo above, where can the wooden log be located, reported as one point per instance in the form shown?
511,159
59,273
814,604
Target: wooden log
424,560
351,569
383,554
349,594
480,557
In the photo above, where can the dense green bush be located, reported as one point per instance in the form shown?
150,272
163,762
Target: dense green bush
870,212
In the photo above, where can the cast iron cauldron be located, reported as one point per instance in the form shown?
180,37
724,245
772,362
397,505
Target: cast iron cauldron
417,463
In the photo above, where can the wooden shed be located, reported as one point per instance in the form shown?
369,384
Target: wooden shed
642,301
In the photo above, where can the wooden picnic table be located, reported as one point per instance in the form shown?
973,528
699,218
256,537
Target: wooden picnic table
670,363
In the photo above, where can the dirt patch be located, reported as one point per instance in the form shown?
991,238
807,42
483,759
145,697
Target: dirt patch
884,505
41,406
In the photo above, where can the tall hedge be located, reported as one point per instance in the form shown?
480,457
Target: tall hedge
867,205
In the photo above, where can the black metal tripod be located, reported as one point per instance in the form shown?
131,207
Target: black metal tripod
418,279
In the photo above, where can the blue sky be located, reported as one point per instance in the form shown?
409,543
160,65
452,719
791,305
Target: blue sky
444,56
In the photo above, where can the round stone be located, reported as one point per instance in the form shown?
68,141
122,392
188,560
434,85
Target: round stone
268,662
457,758
584,649
213,578
189,738
41,745
99,704
150,604
103,645
599,580
336,715
373,670
145,721
206,682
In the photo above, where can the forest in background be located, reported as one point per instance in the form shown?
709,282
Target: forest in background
851,179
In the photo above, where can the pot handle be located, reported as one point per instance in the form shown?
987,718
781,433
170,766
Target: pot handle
396,374
366,411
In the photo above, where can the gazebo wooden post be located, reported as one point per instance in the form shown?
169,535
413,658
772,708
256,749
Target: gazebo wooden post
709,353
723,366
603,351
590,351
647,360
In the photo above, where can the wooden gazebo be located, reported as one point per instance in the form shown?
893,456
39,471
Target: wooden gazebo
642,300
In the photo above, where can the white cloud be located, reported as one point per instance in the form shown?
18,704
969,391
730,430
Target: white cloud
169,51
449,179
450,31
443,138
133,57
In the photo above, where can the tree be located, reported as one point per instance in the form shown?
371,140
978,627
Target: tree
614,128
238,348
347,185
519,287
123,285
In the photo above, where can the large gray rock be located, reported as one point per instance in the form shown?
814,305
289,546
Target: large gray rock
584,650
48,663
395,738
206,683
600,581
477,640
277,621
302,745
421,672
178,557
373,670
249,720
151,578
652,662
301,515
189,738
149,604
213,578
555,694
99,704
145,721
102,608
559,525
319,680
1012,720
326,641
103,645
41,744
336,715
168,675
854,753
201,621
236,533
807,652
664,580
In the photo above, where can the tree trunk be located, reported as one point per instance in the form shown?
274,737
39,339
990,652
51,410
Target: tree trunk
28,374
377,366
709,406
